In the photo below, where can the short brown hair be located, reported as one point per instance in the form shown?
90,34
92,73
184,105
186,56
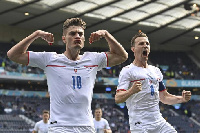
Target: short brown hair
74,22
98,108
45,111
139,34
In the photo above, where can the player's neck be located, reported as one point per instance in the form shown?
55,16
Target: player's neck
72,55
45,121
140,63
97,119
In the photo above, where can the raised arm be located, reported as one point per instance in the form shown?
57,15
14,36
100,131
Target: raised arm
122,95
18,53
117,53
170,99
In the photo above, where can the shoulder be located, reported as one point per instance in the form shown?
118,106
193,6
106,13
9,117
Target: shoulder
155,68
40,122
94,53
127,69
157,71
104,120
41,53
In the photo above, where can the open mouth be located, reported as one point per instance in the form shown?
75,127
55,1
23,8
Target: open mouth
77,41
144,53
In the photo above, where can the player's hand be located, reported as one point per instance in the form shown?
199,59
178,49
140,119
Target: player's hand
46,36
96,36
137,87
186,95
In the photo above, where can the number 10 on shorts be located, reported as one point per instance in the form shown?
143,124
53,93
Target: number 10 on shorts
76,82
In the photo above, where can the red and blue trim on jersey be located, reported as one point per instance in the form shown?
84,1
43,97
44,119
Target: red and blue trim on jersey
28,58
121,90
107,58
91,66
55,66
161,86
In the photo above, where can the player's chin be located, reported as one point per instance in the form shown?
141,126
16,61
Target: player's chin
78,47
145,57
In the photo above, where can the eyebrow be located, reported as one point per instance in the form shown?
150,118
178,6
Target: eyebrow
75,32
144,42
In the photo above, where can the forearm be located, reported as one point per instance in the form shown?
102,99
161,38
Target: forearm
21,47
115,46
172,99
122,96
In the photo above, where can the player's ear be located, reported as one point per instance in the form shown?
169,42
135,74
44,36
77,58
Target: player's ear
63,38
132,48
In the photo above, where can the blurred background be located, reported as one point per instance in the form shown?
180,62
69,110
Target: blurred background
173,28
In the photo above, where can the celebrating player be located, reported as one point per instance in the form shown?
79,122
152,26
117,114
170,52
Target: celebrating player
141,86
70,76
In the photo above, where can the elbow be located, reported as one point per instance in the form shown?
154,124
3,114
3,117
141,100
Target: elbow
9,55
125,56
164,101
117,100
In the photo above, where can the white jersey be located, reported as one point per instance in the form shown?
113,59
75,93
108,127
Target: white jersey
41,127
143,107
70,85
101,125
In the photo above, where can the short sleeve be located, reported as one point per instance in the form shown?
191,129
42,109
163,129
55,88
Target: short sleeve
124,79
101,60
160,75
36,127
107,125
161,84
39,59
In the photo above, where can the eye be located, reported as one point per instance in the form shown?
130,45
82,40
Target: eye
72,33
80,33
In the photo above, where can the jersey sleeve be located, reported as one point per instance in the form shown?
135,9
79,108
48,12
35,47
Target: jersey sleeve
106,125
124,79
36,127
38,59
161,84
101,59
160,75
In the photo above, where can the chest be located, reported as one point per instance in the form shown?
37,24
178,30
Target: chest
43,128
100,125
148,77
74,74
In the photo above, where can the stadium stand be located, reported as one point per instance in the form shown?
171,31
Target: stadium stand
173,65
